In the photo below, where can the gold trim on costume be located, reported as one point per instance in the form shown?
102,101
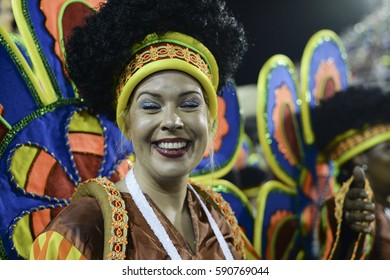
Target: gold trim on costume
224,208
159,52
354,141
114,215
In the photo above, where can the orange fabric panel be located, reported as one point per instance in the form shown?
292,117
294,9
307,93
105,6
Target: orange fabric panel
63,249
35,249
40,182
39,173
41,254
123,168
40,220
86,143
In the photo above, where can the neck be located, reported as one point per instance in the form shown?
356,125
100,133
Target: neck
168,194
172,204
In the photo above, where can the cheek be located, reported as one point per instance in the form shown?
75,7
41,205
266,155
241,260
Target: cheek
198,126
141,127
204,132
202,125
379,165
379,157
137,125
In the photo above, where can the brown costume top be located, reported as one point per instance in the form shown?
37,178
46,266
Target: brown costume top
81,226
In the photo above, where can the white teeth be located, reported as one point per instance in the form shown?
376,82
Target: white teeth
172,146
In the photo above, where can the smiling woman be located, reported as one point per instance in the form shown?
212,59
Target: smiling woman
155,67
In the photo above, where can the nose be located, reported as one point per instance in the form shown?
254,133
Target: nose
171,121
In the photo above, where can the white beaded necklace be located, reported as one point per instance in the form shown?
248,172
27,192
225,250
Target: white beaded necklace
154,223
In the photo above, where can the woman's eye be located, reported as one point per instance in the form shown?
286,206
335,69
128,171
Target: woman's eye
149,105
189,104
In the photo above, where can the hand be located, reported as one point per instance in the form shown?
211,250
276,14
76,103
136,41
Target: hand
358,208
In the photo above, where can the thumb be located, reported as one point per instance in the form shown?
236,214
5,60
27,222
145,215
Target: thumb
359,178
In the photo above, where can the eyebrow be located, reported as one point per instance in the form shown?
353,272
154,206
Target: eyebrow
158,95
148,93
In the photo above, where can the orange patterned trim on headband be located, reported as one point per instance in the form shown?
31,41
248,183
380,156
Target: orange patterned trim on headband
162,51
356,139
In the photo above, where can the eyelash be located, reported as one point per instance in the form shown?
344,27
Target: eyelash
190,104
151,105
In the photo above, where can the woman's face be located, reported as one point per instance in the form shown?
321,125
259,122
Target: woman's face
169,124
378,172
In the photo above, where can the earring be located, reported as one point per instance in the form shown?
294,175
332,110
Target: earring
365,167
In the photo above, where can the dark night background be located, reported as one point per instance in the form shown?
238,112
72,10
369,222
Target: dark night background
285,26
281,26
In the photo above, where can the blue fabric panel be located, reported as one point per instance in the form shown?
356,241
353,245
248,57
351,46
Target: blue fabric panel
230,141
276,200
15,96
279,76
117,147
325,51
244,217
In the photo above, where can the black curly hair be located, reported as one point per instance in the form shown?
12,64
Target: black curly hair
97,52
353,108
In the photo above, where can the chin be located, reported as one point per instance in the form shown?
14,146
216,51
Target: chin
168,170
171,175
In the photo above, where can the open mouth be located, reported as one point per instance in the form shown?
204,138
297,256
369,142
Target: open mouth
172,148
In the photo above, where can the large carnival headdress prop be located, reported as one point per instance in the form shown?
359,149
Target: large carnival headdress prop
288,206
50,142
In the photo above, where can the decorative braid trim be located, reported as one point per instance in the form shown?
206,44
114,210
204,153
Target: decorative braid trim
117,239
339,207
352,141
161,51
227,212
338,212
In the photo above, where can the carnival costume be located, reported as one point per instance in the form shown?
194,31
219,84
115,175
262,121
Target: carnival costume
50,141
289,220
347,125
127,218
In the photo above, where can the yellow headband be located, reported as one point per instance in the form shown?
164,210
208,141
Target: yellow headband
354,142
172,51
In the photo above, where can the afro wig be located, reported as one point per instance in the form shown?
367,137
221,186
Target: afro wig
97,52
357,107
